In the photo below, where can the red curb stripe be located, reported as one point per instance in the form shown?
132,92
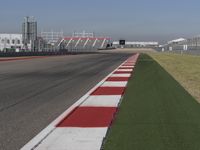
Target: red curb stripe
121,72
89,117
130,63
118,79
109,91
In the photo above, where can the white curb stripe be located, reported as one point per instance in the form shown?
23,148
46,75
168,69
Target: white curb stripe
74,139
121,75
125,70
114,84
102,101
127,66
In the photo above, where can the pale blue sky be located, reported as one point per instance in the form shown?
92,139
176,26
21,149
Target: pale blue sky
144,20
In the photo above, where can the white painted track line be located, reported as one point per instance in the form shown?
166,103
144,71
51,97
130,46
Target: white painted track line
74,139
102,101
114,84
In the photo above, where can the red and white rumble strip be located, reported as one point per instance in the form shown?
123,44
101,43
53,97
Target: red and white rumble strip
84,125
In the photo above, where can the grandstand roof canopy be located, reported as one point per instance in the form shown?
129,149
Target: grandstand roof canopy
177,40
85,38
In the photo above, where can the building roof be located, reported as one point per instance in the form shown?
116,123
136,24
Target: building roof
177,40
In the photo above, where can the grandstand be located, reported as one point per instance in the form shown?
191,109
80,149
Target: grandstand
83,42
190,45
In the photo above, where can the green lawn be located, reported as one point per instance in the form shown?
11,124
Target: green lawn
156,113
184,68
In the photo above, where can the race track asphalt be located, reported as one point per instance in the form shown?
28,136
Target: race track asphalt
34,92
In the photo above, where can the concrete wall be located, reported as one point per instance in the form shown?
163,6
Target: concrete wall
129,44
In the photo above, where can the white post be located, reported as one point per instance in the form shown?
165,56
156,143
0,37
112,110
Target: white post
60,42
103,43
69,42
86,43
185,47
77,42
94,42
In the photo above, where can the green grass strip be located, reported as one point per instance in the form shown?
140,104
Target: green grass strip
156,113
